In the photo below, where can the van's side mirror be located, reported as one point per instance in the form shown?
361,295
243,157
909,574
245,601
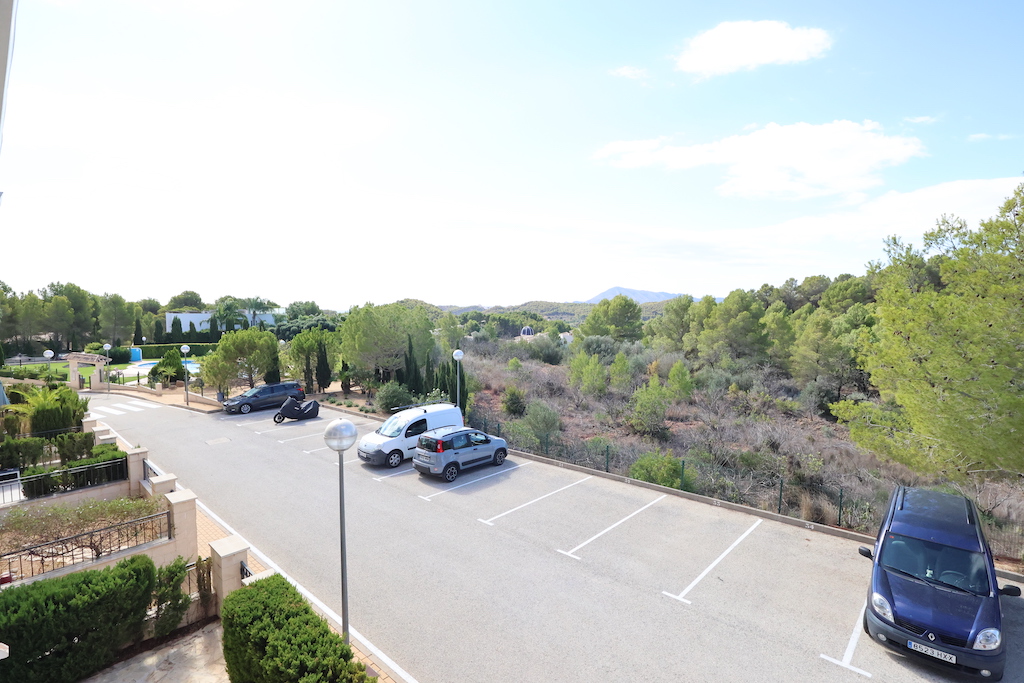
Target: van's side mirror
1012,591
866,552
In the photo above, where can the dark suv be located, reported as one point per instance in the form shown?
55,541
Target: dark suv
933,590
264,396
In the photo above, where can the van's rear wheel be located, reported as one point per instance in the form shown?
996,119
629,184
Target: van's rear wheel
394,458
450,473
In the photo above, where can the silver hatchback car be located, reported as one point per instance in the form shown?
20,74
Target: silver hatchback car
447,451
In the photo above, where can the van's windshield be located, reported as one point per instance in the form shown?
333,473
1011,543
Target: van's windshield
393,426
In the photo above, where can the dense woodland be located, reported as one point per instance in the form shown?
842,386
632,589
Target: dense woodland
908,372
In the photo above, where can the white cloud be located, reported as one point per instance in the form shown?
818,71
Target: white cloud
798,161
630,72
920,119
744,45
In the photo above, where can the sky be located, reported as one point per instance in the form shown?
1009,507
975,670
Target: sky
492,153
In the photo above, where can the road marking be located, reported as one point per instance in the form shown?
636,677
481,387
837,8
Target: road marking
315,450
452,488
267,562
296,438
106,409
347,462
490,522
594,538
128,407
145,404
216,442
394,474
712,565
852,645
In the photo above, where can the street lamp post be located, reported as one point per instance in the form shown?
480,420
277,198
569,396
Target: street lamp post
339,436
106,350
184,361
457,355
48,353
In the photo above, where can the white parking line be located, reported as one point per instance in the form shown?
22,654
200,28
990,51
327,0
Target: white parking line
452,488
394,474
296,438
316,450
490,522
851,646
712,565
594,538
134,409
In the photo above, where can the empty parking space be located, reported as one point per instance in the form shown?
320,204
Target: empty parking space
595,579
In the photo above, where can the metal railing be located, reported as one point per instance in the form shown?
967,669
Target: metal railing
73,478
85,547
243,568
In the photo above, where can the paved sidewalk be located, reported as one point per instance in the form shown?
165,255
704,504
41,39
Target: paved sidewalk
197,657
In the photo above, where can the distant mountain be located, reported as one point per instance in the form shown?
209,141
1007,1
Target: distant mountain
638,295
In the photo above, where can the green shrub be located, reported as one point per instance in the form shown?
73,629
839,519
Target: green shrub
391,395
171,601
660,468
68,628
271,635
647,409
520,436
21,453
74,446
542,420
513,402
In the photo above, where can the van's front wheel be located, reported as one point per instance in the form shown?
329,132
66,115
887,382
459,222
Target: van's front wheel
394,458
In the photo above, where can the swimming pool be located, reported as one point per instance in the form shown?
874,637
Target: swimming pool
192,367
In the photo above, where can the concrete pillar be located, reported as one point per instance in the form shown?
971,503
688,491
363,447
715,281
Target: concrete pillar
89,425
183,523
136,471
160,485
227,554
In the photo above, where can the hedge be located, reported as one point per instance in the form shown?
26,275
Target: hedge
158,350
85,473
272,635
65,629
21,453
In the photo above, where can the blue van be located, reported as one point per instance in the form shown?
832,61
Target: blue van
933,592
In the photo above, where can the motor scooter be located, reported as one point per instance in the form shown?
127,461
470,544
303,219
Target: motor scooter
297,411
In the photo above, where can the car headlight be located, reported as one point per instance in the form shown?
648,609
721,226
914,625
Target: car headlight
989,639
881,607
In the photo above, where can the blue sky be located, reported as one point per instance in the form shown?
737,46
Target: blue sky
466,152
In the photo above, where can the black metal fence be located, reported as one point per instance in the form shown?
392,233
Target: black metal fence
72,478
87,547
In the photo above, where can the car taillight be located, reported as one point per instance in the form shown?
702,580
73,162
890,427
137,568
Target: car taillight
440,446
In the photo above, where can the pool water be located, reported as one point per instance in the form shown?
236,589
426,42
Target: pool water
191,366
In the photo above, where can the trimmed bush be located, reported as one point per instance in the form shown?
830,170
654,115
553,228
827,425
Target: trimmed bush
21,453
271,635
391,395
171,601
74,446
65,629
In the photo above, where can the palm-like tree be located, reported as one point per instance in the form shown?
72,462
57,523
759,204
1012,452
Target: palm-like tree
227,314
255,305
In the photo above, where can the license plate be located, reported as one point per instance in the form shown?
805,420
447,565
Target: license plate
932,652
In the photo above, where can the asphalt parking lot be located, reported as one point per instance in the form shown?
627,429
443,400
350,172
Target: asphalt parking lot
534,572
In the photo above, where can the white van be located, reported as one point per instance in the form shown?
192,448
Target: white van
395,440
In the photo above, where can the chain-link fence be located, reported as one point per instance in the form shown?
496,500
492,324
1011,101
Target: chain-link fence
856,505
